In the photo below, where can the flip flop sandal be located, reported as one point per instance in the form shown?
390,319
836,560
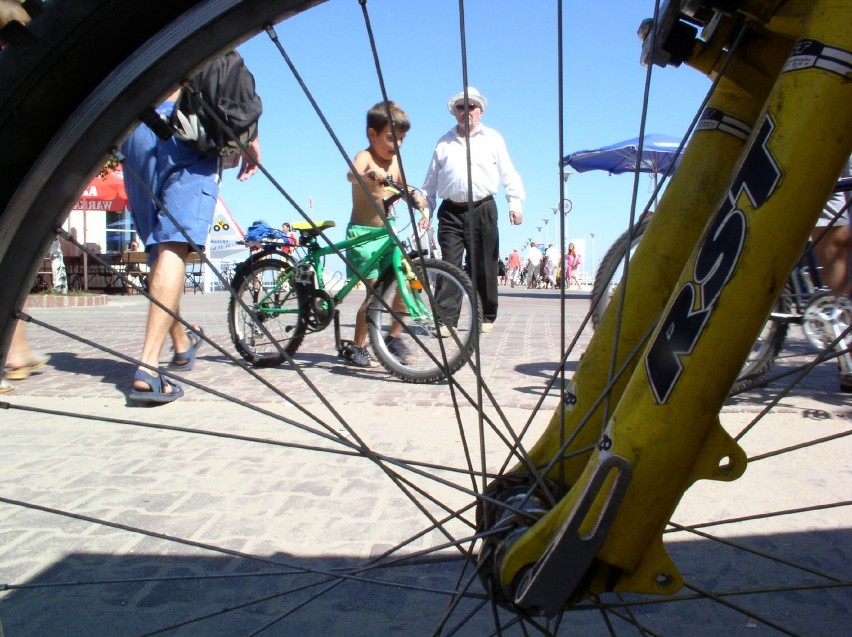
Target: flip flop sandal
23,372
185,360
5,386
157,395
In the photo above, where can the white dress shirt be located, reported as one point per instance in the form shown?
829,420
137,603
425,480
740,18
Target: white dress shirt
490,166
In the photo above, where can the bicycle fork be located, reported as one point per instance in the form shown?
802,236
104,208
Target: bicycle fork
664,433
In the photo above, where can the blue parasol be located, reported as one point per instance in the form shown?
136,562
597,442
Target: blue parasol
658,153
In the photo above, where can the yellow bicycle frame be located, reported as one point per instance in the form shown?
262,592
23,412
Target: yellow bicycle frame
724,237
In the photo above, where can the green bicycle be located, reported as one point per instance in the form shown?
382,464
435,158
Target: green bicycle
279,301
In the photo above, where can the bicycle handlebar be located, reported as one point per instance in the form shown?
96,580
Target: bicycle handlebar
398,191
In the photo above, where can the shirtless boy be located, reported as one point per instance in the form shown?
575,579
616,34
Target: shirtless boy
374,165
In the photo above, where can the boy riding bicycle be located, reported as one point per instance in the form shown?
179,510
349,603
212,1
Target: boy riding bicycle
374,165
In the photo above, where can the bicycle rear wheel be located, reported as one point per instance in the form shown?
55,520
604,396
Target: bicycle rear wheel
265,317
412,348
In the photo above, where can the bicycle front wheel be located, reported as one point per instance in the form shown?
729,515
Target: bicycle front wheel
264,318
407,341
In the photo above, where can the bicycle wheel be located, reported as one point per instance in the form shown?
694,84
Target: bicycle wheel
245,507
766,347
610,271
265,317
412,349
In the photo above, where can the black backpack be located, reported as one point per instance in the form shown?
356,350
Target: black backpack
222,96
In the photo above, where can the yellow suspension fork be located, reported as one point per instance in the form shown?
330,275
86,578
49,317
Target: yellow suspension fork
664,433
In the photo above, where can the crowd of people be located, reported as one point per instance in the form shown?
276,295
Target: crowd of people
540,267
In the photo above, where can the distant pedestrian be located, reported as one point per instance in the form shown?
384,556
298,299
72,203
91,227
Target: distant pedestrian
533,265
292,241
549,272
513,267
572,262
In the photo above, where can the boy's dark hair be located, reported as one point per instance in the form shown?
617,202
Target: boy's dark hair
377,117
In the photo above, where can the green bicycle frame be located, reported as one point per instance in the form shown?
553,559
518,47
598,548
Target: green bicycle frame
316,256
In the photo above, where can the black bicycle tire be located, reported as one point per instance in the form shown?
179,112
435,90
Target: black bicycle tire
613,258
245,273
388,279
754,369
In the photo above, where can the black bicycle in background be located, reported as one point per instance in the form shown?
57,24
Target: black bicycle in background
806,302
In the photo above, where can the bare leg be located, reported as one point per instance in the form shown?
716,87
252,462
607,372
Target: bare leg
19,350
399,308
165,284
361,320
21,360
832,253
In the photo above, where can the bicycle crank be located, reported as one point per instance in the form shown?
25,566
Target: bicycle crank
321,310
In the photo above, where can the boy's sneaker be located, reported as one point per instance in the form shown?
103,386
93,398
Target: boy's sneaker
399,350
444,330
358,357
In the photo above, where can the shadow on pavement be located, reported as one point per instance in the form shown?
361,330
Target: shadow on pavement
85,594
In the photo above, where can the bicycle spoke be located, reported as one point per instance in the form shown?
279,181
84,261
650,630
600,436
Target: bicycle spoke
308,495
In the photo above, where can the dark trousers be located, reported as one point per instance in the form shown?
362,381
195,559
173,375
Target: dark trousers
485,248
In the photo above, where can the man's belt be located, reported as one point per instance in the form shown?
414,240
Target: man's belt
463,207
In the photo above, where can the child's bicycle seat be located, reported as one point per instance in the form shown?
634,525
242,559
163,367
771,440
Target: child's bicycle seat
311,230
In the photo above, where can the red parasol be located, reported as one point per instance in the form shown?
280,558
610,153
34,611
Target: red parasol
105,193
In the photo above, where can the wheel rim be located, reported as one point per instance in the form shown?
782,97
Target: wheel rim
418,352
266,317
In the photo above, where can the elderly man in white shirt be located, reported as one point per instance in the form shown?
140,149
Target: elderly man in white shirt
448,179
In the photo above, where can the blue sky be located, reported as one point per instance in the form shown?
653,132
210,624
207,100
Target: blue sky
512,60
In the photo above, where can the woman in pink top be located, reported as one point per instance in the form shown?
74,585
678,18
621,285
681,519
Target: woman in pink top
572,262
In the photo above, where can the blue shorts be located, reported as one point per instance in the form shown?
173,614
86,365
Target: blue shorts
187,183
361,254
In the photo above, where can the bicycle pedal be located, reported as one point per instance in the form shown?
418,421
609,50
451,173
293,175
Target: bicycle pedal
345,347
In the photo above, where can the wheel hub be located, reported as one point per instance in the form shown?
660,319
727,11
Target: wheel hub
515,503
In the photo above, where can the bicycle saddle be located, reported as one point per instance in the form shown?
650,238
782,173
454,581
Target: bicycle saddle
305,227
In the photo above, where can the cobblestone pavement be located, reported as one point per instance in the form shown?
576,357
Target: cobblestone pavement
120,521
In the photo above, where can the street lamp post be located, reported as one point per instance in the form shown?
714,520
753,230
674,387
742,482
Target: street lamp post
545,230
564,208
594,264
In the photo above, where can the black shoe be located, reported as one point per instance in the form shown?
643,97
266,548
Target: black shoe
357,356
399,350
